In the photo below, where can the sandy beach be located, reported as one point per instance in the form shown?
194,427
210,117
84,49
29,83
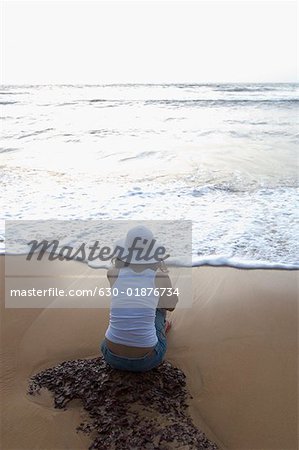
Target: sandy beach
161,134
237,346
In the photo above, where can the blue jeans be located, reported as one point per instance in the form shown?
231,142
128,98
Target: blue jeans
144,363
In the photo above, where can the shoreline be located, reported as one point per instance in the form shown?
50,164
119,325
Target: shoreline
210,261
237,346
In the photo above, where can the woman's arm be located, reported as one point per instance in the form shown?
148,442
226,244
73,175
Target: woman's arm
163,282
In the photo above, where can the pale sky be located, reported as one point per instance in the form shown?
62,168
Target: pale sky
148,41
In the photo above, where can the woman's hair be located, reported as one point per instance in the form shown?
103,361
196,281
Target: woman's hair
119,264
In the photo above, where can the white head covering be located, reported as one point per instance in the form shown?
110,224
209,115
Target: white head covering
140,247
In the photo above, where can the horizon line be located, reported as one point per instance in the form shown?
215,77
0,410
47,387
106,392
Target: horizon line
174,83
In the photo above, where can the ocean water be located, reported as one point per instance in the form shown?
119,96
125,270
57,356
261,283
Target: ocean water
222,155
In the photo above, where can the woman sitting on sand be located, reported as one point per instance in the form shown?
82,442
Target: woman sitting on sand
136,337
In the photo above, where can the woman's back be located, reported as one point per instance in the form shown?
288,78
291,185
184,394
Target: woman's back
133,309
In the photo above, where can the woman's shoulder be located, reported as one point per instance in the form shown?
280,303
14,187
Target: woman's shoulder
112,273
162,279
161,274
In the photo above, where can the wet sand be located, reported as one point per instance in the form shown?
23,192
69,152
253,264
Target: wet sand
237,346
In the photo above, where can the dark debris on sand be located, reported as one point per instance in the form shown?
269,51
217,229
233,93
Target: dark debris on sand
127,411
